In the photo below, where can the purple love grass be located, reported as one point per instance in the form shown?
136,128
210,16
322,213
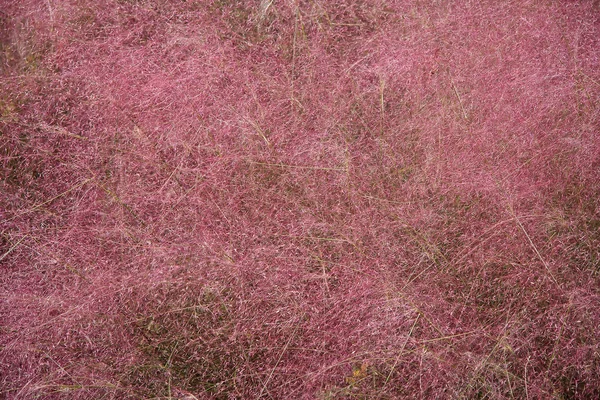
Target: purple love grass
299,199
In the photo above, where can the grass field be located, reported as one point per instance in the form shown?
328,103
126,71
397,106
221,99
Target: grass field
299,199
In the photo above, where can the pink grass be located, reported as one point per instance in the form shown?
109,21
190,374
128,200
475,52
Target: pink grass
324,199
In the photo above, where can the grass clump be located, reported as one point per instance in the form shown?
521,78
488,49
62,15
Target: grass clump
181,344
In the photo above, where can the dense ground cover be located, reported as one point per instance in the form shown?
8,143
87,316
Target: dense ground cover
299,199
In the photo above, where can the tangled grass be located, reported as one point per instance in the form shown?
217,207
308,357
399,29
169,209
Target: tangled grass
299,199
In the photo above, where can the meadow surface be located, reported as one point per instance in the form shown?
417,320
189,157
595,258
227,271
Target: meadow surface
299,199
